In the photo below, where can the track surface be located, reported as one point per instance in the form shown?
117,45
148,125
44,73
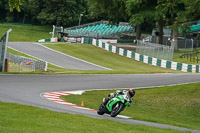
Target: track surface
27,89
53,57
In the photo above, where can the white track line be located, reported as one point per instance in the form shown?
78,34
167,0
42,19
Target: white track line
73,57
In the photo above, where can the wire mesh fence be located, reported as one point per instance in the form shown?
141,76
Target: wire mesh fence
155,50
184,44
187,45
21,64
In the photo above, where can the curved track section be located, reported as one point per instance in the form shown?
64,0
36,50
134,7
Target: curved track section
54,57
26,89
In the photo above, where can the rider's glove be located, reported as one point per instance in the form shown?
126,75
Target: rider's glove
111,95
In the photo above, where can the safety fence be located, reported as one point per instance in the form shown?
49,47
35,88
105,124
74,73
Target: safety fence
145,59
184,44
26,64
3,50
155,50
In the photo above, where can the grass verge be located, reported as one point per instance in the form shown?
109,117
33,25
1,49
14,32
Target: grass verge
174,105
26,119
33,33
185,59
25,33
118,64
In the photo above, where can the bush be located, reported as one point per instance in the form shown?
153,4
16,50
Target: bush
198,37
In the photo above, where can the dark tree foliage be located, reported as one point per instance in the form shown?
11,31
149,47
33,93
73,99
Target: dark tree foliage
3,9
192,10
137,12
14,4
61,12
173,11
112,10
57,12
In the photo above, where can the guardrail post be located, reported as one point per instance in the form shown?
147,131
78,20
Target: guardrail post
6,44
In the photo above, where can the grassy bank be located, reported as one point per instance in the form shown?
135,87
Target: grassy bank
118,64
26,119
25,33
34,33
174,105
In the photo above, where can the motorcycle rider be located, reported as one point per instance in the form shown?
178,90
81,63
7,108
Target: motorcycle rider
130,93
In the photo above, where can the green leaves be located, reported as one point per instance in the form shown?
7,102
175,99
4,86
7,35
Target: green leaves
112,10
14,4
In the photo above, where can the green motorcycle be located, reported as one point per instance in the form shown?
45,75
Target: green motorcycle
114,106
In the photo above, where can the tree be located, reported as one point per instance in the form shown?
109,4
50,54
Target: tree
142,11
14,4
173,11
4,7
34,8
61,12
112,10
192,10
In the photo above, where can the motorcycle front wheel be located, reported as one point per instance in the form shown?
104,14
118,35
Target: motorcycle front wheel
101,109
116,110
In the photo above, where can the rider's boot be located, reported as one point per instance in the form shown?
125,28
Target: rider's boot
105,101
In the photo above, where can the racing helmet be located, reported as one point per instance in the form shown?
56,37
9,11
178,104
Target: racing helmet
131,92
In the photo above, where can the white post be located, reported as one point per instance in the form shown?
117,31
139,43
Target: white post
7,35
61,29
46,65
192,44
53,31
80,20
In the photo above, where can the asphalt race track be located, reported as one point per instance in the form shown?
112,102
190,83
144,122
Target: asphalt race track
59,59
27,89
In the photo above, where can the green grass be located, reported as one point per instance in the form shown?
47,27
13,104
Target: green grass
21,33
118,64
25,33
185,60
174,105
26,119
